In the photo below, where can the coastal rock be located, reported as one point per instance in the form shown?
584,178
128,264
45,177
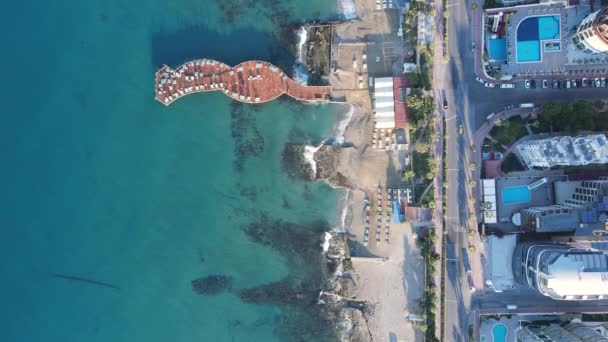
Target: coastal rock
317,45
326,159
212,285
295,164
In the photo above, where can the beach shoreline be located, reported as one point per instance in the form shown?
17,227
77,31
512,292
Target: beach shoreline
387,277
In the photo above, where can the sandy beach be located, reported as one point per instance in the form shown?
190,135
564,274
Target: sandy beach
389,277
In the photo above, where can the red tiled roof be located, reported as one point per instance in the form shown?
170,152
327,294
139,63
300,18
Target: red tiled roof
400,107
492,168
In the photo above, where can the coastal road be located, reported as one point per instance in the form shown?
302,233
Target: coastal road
453,82
469,102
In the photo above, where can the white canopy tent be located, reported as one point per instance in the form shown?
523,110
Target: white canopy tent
385,103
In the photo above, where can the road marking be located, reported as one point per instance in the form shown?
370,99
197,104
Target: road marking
450,118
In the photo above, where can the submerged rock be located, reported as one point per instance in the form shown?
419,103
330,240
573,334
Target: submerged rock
212,285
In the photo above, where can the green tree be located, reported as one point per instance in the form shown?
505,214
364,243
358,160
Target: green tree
473,166
408,175
422,147
584,113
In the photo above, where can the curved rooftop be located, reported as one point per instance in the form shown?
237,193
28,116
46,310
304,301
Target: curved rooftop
248,82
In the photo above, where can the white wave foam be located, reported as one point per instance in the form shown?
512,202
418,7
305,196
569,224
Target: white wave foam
341,126
347,9
300,74
309,154
326,239
302,36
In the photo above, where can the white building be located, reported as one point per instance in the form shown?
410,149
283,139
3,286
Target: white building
591,35
568,151
385,102
563,272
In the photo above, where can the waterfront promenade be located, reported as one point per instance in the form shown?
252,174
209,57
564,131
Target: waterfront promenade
249,82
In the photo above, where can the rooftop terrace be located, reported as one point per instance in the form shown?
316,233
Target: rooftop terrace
249,82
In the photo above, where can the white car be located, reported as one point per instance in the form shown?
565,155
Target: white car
480,80
491,115
598,83
507,86
527,84
489,85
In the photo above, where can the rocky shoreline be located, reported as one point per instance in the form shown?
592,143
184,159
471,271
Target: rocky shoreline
337,301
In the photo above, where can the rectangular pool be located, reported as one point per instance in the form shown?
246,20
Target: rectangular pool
516,194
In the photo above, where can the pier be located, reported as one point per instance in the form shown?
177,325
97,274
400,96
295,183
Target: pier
248,82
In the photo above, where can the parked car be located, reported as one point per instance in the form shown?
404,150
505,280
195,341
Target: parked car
584,82
489,85
490,116
603,80
555,84
598,83
568,84
574,85
527,84
480,80
507,86
545,84
533,84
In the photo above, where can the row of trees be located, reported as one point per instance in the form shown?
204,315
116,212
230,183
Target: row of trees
572,117
428,303
420,108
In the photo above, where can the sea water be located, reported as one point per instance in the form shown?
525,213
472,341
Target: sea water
103,183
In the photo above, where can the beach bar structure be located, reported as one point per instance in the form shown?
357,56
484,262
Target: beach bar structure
248,82
385,102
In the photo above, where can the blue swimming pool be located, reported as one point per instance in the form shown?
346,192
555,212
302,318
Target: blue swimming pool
516,194
499,333
497,48
531,31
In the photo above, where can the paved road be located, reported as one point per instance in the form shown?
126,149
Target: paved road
469,103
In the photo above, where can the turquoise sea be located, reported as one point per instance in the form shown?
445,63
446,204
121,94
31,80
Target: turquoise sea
99,181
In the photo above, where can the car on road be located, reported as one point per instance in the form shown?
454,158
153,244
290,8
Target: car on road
445,104
507,86
480,80
545,84
491,115
473,47
489,85
555,84
584,82
598,83
460,129
527,84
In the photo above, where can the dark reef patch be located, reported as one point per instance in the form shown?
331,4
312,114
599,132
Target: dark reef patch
250,193
248,142
212,285
302,318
